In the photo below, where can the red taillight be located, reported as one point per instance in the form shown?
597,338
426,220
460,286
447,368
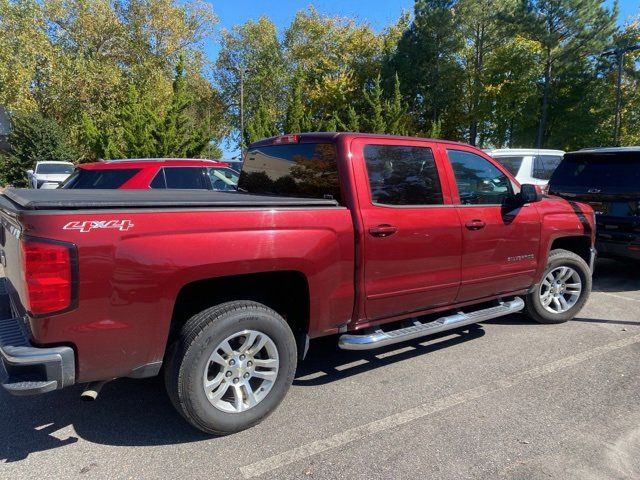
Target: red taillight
286,139
48,276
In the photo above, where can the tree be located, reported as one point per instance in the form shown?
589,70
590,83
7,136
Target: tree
252,52
481,27
260,125
396,111
33,138
374,122
567,30
177,135
295,115
427,65
509,93
337,57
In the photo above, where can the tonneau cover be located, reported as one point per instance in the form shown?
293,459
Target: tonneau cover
61,199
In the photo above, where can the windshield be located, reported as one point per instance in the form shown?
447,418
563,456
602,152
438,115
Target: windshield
223,178
618,171
54,168
104,179
511,163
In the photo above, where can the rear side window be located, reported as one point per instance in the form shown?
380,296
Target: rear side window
102,179
479,181
185,177
306,170
402,175
512,164
545,165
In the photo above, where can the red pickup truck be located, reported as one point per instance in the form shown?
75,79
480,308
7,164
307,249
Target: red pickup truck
374,238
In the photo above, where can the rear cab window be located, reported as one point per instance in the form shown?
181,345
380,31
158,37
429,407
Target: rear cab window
304,170
99,178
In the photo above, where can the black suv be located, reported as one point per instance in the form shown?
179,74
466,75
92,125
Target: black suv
609,180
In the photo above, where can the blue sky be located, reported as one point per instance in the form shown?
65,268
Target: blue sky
378,13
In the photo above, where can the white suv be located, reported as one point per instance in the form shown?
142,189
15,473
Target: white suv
49,174
529,165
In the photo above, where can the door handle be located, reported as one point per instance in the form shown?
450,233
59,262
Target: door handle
383,230
475,224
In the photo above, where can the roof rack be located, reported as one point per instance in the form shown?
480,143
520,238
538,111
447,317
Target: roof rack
167,159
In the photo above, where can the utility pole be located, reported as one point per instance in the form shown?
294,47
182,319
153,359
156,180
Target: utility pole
618,53
241,72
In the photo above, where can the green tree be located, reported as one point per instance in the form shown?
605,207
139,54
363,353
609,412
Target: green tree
295,115
396,111
427,65
374,122
567,31
251,53
260,125
176,135
481,26
33,138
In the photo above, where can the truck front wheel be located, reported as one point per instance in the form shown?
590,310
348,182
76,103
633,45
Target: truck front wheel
563,290
231,366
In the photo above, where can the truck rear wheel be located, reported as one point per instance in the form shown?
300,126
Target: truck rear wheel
563,290
231,366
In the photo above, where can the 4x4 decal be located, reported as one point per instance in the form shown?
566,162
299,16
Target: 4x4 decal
88,225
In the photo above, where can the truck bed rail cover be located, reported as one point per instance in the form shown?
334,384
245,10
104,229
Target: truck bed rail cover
56,199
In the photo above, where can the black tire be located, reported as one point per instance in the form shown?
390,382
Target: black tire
559,258
189,355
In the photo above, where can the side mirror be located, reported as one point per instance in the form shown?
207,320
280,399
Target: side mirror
30,172
530,193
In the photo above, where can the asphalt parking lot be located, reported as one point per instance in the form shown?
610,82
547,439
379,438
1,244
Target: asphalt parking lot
505,399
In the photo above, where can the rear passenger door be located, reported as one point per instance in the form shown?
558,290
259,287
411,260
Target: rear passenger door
500,246
411,234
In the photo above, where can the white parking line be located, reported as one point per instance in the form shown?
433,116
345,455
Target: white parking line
618,296
305,451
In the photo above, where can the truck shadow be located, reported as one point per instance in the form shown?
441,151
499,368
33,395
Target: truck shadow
139,413
327,363
127,413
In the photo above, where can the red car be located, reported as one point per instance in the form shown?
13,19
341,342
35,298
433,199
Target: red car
375,238
154,173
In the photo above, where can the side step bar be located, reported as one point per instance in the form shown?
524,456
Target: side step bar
380,338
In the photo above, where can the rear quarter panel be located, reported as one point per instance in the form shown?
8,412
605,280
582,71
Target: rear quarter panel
129,280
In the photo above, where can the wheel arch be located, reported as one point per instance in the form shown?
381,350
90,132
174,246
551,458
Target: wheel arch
286,292
578,244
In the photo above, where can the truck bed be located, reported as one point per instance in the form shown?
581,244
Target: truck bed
15,199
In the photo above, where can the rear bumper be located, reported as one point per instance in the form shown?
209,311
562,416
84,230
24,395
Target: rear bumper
30,370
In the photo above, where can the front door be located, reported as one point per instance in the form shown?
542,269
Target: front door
500,246
412,239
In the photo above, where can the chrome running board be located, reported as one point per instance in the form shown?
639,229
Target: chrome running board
381,338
